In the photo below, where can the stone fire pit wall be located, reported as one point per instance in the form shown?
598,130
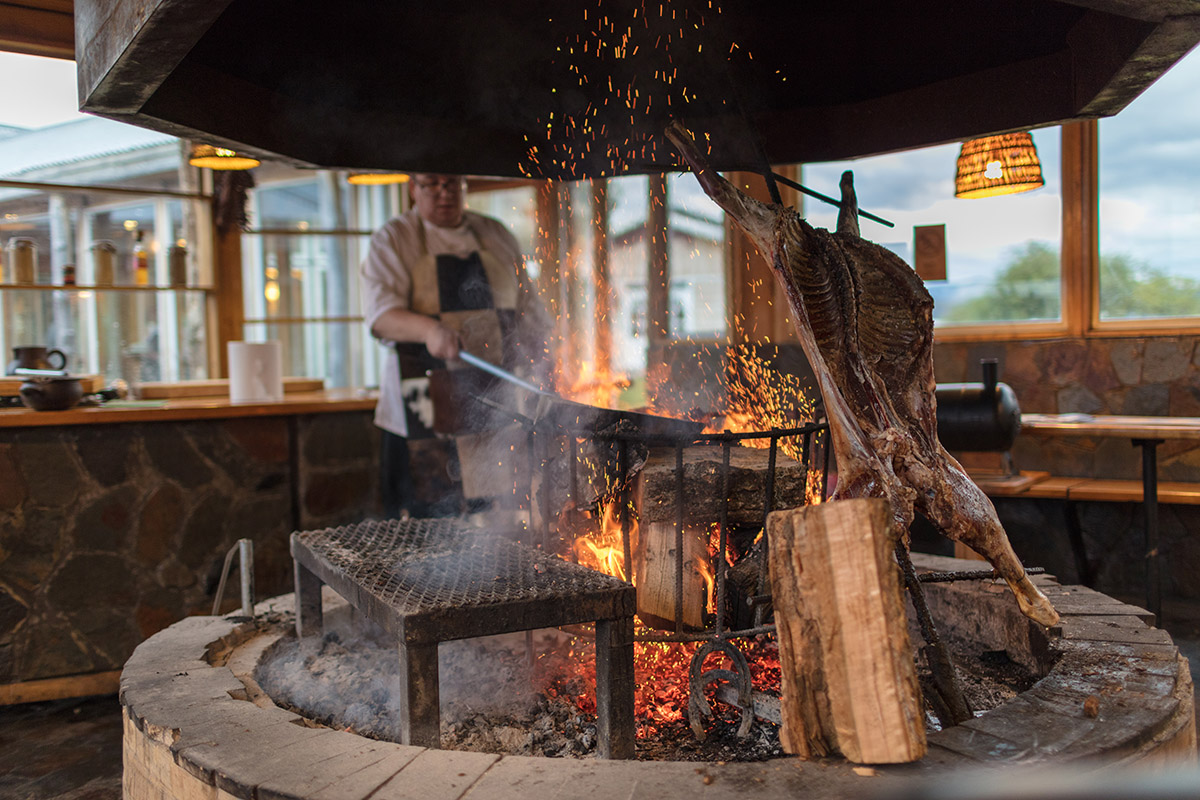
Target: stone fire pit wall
197,726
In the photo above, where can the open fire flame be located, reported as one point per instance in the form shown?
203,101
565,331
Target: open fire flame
661,669
758,398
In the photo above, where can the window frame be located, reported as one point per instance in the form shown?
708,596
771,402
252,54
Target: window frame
1080,260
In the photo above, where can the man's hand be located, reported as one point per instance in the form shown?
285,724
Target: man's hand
442,342
402,325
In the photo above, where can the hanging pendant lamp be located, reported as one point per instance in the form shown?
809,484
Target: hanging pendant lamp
995,165
376,178
206,155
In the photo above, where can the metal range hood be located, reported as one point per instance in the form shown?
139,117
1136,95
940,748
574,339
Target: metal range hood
554,89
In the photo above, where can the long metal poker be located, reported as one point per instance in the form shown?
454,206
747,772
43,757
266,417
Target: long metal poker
502,374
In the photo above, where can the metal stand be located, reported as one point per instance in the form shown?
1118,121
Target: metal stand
1150,508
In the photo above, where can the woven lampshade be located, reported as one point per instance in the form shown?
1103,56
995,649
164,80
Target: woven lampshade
376,178
993,165
206,155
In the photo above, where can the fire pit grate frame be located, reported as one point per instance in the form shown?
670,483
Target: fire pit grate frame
435,580
814,449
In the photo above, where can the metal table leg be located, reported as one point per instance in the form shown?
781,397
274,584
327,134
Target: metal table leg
1150,507
420,711
309,615
614,688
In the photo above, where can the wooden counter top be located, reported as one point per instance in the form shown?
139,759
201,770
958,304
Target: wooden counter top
192,408
1111,425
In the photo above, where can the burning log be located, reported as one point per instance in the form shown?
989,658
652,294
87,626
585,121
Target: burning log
656,572
849,682
703,492
865,322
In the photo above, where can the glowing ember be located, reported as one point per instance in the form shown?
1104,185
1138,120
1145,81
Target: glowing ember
661,675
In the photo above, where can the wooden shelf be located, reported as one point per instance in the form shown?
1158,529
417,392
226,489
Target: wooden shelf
54,287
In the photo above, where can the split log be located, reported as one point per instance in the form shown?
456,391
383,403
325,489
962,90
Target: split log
656,575
849,683
702,485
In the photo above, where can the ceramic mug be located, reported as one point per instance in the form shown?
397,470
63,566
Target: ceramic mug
36,357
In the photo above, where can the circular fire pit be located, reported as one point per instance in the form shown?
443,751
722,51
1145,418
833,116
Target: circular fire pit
1114,691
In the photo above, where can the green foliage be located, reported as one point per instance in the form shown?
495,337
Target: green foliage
1028,289
1132,290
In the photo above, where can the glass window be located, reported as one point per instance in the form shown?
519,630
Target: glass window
109,318
1002,253
1149,203
628,259
82,294
697,257
300,273
516,208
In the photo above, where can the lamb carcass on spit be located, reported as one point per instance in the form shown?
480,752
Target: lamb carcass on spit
865,322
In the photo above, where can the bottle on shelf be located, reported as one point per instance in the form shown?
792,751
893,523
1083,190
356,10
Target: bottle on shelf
177,261
68,275
141,261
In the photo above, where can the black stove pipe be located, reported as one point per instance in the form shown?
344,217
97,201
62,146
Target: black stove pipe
978,417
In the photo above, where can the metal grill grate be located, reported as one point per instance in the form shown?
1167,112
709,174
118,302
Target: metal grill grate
434,580
423,565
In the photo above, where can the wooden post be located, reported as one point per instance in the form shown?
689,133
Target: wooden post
658,278
849,683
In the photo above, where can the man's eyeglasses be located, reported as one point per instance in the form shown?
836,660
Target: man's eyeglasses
445,184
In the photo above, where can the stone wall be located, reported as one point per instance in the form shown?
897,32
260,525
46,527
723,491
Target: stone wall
111,532
1156,376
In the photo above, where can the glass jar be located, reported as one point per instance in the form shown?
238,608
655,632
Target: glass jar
22,259
104,262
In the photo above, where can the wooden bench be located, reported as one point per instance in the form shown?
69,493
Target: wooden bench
1044,486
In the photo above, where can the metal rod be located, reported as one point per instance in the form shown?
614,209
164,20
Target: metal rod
246,568
805,458
623,498
529,469
825,470
245,550
705,636
969,575
679,537
545,496
768,507
764,162
722,561
952,707
824,198
574,444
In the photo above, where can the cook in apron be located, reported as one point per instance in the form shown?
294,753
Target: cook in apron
476,296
